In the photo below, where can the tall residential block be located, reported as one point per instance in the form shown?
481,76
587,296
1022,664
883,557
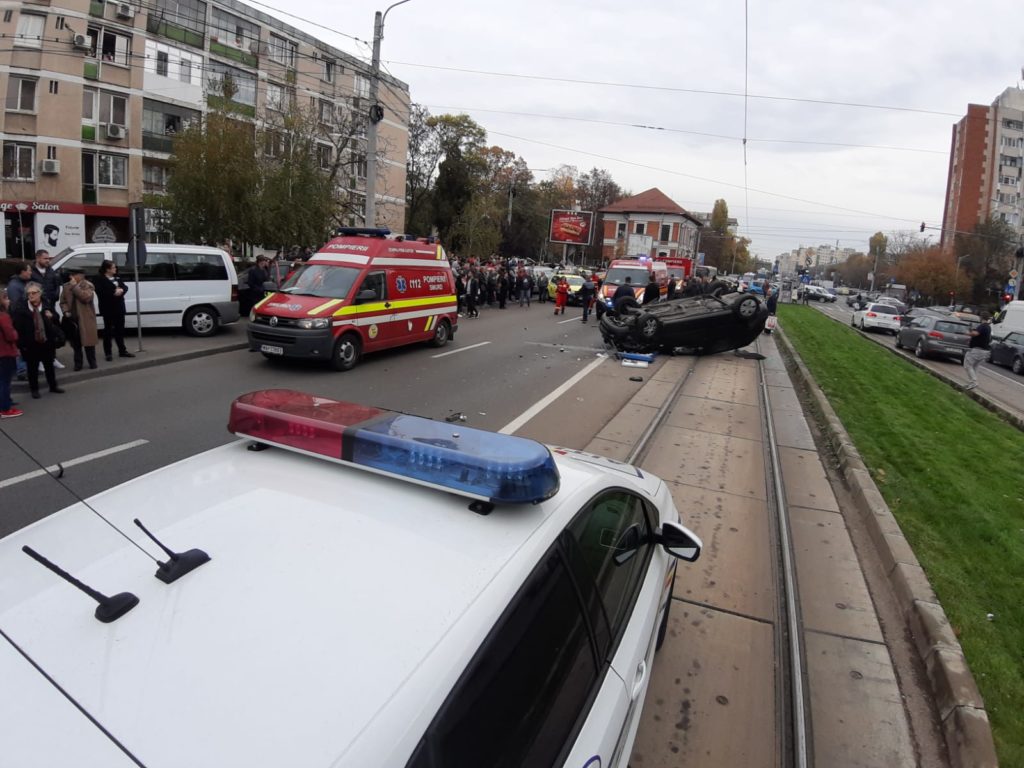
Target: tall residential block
96,90
985,163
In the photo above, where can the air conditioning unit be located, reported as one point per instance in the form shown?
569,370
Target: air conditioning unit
51,166
125,11
115,131
82,42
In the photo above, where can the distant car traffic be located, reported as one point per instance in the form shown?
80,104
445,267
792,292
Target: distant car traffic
935,336
1008,351
900,306
705,324
877,317
817,293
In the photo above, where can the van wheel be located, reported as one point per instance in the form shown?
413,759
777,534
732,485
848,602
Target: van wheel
442,333
347,352
200,321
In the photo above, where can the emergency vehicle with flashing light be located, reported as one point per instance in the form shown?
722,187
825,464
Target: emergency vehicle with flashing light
364,588
363,291
639,271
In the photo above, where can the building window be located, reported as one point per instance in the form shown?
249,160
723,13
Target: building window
54,86
154,178
189,14
51,153
639,228
233,30
185,71
359,166
162,61
30,31
61,23
113,109
21,94
114,48
275,96
243,82
88,105
111,170
328,70
362,87
8,15
276,144
620,230
326,112
666,233
323,153
19,161
282,51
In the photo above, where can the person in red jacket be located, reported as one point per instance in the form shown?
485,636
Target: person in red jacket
561,295
8,357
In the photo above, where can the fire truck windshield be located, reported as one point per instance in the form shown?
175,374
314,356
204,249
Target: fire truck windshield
323,280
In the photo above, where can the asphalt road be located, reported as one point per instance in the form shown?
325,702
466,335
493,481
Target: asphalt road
998,383
495,370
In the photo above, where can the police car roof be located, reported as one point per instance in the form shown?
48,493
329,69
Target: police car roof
337,611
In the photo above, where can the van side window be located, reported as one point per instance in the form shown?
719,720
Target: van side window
200,266
373,282
156,266
90,262
520,700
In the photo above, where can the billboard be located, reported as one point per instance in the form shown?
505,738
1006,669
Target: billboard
571,227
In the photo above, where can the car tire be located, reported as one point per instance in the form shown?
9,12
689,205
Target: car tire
442,333
648,327
919,352
862,326
899,344
347,351
200,321
717,288
746,308
1018,366
625,303
663,627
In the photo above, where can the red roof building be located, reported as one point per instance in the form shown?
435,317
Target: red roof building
649,224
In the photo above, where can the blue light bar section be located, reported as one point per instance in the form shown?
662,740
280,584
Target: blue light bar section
502,468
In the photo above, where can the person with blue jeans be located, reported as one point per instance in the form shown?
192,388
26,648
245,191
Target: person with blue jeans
16,296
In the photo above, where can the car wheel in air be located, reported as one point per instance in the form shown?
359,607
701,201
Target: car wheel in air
1018,366
747,308
919,350
648,326
347,352
442,333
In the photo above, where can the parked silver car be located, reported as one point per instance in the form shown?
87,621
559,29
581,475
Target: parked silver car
933,336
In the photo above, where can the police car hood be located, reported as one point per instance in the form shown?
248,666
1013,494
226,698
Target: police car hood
325,595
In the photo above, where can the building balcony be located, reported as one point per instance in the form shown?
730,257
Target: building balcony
158,142
219,102
158,26
234,53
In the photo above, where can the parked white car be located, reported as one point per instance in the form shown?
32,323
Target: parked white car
878,317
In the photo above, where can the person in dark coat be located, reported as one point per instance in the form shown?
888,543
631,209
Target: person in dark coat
258,274
48,280
587,291
625,289
671,289
36,327
110,293
652,292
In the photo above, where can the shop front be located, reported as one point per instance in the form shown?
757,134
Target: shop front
31,225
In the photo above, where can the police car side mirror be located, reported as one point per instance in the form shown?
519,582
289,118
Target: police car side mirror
269,285
679,541
367,294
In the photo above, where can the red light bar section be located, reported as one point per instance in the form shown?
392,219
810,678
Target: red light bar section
297,420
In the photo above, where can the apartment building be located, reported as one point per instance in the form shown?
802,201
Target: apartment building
651,221
96,90
985,161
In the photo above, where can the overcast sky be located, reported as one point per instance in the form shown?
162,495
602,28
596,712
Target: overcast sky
800,184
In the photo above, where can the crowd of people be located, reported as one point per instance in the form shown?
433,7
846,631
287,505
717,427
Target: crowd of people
39,315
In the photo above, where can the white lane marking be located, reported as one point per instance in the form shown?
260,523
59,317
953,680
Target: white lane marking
72,463
544,402
460,349
1001,375
577,319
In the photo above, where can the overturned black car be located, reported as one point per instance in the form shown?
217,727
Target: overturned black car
700,325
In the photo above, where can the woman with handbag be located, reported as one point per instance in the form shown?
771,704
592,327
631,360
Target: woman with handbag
38,335
79,317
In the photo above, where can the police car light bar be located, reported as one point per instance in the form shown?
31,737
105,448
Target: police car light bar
480,465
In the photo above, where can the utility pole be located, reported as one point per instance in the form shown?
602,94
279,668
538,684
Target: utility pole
375,114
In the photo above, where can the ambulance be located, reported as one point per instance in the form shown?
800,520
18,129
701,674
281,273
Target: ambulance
639,272
364,291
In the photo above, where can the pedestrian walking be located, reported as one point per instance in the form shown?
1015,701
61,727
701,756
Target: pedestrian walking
587,291
542,288
525,287
79,317
254,292
8,357
561,295
502,287
37,334
110,293
671,289
772,302
977,350
472,288
460,294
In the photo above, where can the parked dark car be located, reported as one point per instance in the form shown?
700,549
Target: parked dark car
935,336
703,324
1008,351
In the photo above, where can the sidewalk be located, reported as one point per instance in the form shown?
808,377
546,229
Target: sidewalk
159,346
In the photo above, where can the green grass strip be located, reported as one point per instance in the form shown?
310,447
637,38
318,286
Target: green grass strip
953,475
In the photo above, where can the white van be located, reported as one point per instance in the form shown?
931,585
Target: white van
194,287
1011,320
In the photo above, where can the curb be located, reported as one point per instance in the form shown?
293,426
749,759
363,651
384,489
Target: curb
965,724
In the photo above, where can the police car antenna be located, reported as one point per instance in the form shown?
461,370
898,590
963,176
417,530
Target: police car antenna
179,563
57,479
109,608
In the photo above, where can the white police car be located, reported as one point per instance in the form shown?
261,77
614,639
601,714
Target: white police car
506,616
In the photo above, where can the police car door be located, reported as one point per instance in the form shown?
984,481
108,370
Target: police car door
610,550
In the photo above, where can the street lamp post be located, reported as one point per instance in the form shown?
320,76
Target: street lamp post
375,114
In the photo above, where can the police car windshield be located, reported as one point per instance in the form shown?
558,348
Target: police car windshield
617,275
324,280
